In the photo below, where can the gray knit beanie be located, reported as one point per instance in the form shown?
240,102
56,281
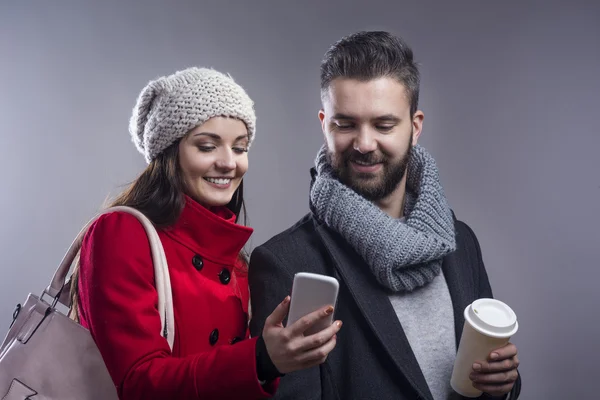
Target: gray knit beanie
170,106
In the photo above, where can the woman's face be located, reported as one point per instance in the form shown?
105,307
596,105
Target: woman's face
214,158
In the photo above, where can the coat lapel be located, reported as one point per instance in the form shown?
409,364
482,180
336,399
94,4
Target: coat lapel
460,282
376,307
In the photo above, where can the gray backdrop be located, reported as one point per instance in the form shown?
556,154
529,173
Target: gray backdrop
511,98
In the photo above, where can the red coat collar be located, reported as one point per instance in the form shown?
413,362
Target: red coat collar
211,233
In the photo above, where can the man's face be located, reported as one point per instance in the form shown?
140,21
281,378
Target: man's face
369,133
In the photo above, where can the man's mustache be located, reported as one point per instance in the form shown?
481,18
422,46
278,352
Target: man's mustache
367,158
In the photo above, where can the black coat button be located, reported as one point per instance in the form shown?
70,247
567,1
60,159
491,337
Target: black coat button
197,262
225,276
236,339
214,337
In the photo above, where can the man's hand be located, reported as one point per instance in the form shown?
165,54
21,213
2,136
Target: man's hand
497,375
288,348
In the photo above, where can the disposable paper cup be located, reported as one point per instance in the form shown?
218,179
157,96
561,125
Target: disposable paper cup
489,324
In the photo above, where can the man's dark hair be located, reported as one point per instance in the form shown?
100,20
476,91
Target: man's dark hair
370,55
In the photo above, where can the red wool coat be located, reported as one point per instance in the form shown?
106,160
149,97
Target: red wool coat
212,356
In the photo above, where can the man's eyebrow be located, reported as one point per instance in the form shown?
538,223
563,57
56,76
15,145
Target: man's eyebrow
342,116
388,118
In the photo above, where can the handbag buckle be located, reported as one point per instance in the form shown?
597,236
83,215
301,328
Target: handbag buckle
15,314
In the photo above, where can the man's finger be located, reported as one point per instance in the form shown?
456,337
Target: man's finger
495,390
318,355
498,378
300,326
516,361
495,366
320,338
508,351
278,315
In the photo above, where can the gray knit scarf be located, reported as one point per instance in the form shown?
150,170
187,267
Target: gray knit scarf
403,255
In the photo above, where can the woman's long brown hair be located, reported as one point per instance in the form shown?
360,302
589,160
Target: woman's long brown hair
159,193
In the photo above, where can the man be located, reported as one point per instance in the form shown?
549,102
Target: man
381,225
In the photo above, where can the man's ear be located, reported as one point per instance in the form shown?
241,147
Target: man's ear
417,123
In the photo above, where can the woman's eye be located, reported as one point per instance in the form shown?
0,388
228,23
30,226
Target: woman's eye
240,150
206,149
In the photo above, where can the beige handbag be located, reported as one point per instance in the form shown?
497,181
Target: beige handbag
46,355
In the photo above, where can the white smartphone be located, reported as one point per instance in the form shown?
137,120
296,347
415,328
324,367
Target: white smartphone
309,293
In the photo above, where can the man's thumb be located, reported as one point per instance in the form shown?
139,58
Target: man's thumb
278,315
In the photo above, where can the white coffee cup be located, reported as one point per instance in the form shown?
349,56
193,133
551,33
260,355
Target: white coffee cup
489,324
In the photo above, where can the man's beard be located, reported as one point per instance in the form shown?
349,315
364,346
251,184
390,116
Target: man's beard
372,186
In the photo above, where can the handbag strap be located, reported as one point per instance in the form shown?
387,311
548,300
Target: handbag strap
58,286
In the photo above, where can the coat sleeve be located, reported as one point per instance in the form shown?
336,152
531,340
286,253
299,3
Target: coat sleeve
119,306
485,290
270,282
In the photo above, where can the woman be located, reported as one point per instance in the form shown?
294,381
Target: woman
194,128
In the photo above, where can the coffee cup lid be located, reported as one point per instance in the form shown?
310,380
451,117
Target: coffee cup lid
492,318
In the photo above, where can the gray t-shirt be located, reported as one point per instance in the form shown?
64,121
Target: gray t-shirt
427,317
